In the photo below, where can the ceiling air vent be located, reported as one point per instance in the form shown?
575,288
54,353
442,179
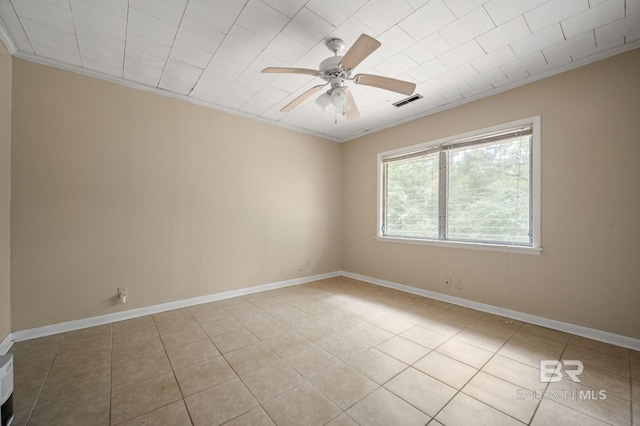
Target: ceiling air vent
408,100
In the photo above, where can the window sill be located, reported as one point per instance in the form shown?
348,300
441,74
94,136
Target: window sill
464,245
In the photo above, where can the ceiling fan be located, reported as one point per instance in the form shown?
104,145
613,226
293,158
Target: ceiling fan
336,70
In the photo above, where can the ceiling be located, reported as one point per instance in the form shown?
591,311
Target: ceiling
211,52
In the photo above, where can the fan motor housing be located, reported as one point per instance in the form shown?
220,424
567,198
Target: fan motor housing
330,67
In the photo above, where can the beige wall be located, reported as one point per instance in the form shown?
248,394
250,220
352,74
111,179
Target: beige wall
5,190
589,271
114,186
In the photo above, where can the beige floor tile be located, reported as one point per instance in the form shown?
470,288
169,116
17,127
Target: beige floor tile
384,408
251,357
588,401
203,375
190,334
179,323
208,312
441,326
550,413
601,360
344,385
23,403
501,395
302,405
595,345
270,329
174,414
312,361
140,398
527,354
503,329
481,340
342,346
77,384
369,334
464,410
614,384
182,356
129,349
465,352
288,344
42,345
93,410
447,370
403,349
376,365
635,391
139,369
122,328
514,372
271,380
393,324
255,417
342,420
421,391
555,335
31,369
535,340
636,414
221,326
220,403
173,315
233,340
424,337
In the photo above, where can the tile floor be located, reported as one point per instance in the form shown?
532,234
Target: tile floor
337,352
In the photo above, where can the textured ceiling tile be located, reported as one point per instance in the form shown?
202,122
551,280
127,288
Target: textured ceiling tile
167,10
561,53
427,20
553,12
494,59
219,15
261,19
593,18
46,13
151,28
396,65
502,11
428,48
11,21
99,21
334,11
199,35
288,7
179,77
505,34
467,52
308,28
380,17
538,41
190,54
469,26
617,29
462,7
52,42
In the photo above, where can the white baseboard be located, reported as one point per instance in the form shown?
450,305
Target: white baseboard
48,330
591,333
6,344
33,333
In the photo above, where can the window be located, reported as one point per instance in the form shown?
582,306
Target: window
478,190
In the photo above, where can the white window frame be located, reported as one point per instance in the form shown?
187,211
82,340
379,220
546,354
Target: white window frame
535,248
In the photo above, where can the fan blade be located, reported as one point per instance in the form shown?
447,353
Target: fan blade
363,47
387,83
297,101
352,112
277,70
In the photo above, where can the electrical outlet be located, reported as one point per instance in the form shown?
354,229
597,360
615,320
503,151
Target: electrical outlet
447,281
459,284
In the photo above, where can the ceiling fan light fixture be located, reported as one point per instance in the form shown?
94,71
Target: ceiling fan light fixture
324,101
338,97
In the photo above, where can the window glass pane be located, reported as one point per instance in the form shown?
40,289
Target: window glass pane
411,208
488,192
